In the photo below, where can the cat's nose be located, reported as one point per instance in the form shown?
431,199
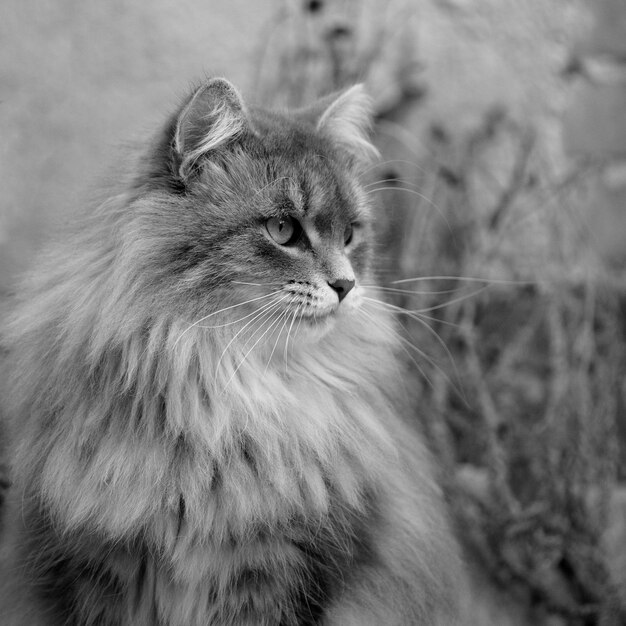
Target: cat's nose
342,286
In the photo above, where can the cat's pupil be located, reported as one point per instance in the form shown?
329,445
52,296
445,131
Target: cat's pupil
347,234
283,230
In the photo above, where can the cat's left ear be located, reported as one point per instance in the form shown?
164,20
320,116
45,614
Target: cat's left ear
348,122
214,117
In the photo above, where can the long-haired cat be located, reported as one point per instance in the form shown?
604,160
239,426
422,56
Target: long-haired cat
207,414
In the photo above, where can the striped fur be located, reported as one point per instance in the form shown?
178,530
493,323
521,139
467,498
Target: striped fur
204,435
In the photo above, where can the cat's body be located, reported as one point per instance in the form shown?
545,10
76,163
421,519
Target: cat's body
206,411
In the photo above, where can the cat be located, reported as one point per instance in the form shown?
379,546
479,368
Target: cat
207,415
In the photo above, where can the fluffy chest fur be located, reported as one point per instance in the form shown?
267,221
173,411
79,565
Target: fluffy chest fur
272,438
235,497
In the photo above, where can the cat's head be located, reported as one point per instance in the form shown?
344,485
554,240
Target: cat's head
243,205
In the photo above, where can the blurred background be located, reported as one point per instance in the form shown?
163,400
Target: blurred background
502,198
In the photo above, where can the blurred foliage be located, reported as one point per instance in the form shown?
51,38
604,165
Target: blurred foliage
512,326
519,349
520,375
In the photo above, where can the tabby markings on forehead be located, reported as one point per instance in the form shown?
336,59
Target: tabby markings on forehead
295,193
287,200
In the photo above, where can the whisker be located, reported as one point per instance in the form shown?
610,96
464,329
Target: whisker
264,312
435,307
419,319
228,308
285,315
443,305
239,282
267,322
457,388
293,319
255,312
396,183
256,343
300,318
268,316
419,195
409,291
467,279
438,320
403,343
394,308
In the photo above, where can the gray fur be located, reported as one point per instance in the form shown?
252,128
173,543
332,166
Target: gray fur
203,434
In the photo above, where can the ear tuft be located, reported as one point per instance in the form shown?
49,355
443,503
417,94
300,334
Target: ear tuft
348,122
213,117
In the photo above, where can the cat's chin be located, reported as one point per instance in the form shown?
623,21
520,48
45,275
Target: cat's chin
306,332
313,328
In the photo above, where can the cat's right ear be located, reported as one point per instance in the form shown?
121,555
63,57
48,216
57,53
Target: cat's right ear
214,117
347,122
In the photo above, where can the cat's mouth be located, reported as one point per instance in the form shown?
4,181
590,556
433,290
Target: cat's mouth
316,309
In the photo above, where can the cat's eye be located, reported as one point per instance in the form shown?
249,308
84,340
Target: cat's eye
283,230
348,234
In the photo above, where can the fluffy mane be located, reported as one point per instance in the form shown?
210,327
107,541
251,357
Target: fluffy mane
181,461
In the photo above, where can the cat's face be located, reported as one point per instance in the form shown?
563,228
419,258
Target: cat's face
271,229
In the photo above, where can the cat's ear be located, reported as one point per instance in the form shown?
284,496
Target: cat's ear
348,122
214,117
